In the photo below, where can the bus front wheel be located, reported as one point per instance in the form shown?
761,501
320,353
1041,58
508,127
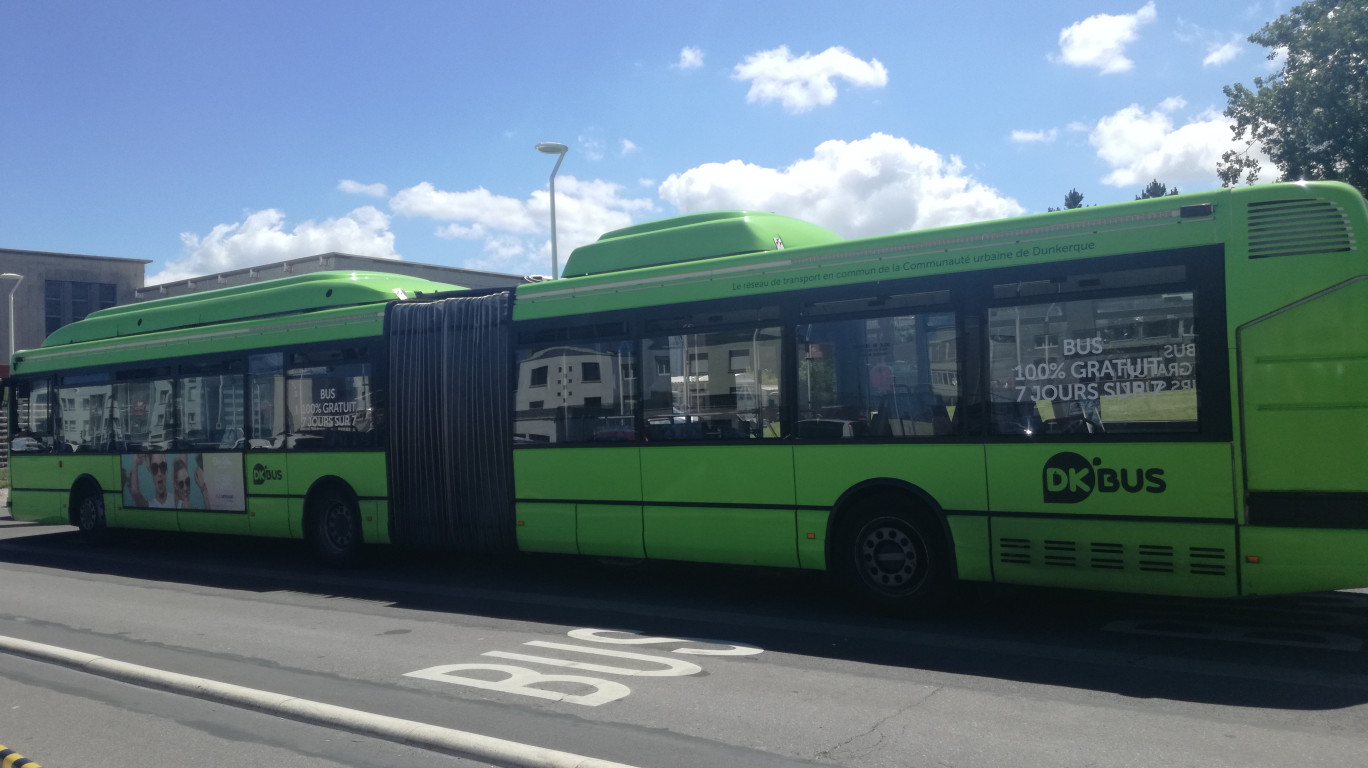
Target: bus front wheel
335,528
892,555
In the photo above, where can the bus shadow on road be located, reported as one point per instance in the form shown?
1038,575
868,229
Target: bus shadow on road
1299,652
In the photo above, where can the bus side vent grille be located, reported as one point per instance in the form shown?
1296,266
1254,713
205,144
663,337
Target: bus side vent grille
1156,558
1015,551
1108,556
1298,227
1060,553
1207,561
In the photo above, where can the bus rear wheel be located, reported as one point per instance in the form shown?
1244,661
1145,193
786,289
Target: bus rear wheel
892,556
335,528
90,513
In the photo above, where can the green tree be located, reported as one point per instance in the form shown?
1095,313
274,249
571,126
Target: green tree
1071,201
1310,117
1155,188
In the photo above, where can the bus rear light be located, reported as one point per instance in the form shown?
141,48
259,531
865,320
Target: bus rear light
812,535
1251,558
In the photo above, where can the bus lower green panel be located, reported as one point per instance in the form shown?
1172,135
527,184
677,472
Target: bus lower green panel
713,535
1195,559
604,473
582,478
1303,559
1159,480
610,530
720,504
546,527
49,507
973,555
952,475
812,531
149,519
269,516
213,522
375,522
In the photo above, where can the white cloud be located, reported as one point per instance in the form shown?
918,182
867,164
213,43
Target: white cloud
261,238
629,147
516,233
357,188
870,186
690,58
477,205
806,81
1141,145
1035,137
592,148
1100,41
1220,53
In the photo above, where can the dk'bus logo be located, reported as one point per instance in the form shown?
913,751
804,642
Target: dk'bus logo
1070,478
261,473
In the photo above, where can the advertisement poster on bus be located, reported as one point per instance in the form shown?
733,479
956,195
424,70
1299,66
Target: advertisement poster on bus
174,480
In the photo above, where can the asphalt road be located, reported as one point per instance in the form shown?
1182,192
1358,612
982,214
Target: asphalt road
660,664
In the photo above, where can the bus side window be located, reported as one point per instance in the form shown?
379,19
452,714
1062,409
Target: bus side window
32,425
576,392
266,401
85,417
1112,364
211,412
891,376
718,385
328,400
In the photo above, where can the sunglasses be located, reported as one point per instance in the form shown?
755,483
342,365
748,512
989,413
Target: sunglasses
183,484
157,467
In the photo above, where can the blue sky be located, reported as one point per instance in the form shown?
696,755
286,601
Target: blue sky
210,135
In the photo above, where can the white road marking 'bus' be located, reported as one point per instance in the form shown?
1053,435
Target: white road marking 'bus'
529,682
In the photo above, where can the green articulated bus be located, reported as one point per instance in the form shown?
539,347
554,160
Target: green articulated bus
1167,396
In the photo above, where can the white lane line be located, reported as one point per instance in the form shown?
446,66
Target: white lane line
409,732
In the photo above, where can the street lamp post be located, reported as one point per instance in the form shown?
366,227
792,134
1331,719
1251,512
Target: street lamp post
553,148
17,280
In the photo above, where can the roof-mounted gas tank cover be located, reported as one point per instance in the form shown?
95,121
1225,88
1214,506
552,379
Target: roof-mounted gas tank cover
693,237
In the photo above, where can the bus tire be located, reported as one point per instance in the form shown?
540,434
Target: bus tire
88,513
334,527
892,556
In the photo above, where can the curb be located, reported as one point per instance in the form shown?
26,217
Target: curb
408,732
11,759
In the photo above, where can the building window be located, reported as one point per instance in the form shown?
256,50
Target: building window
66,301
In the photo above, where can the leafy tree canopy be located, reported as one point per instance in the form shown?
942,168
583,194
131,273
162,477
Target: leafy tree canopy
1310,117
1071,201
1155,188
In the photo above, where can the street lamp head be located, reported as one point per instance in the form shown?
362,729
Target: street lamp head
552,148
11,276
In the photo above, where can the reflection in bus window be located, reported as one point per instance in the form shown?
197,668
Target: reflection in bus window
211,411
576,392
328,400
31,432
85,417
266,400
1092,366
880,377
143,416
691,397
